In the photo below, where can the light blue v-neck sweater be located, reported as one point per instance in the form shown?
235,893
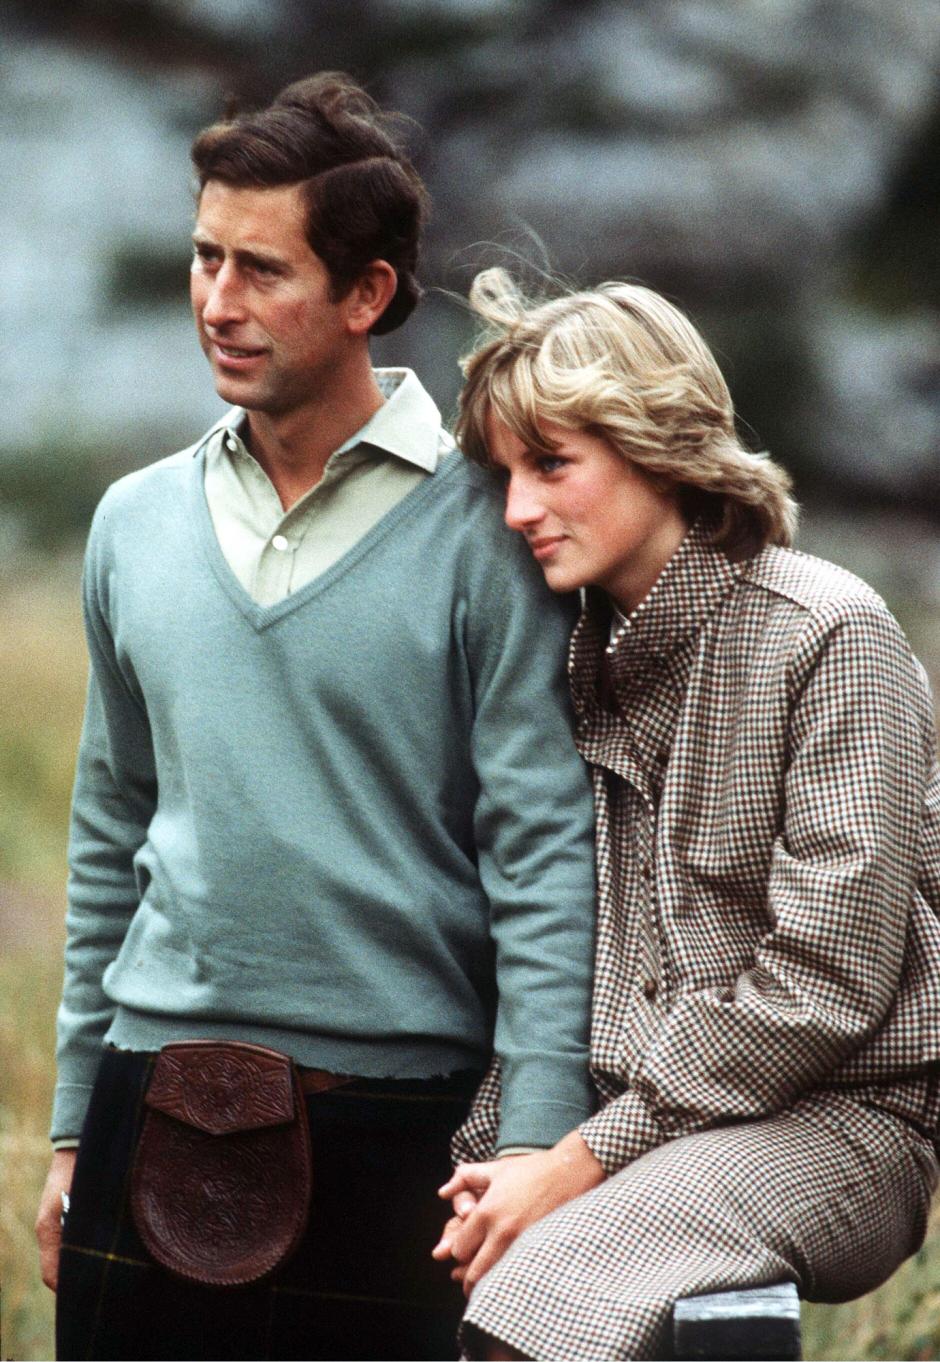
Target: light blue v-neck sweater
319,825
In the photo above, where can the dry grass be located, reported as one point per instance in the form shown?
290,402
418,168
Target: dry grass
42,686
42,677
30,984
42,682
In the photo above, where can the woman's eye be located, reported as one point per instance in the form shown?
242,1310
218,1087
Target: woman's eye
549,463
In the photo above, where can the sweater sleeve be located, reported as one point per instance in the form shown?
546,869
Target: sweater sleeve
113,802
534,833
839,892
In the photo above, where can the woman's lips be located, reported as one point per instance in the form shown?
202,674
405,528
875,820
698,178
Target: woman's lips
545,547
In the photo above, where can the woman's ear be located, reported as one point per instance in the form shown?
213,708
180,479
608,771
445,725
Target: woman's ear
369,296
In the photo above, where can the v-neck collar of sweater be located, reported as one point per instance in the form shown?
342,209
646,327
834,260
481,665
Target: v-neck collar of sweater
261,616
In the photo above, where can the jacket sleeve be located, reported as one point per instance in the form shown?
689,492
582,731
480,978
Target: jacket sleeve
475,1141
113,802
534,834
842,877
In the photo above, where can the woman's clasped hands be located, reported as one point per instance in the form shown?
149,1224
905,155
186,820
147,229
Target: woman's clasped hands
494,1202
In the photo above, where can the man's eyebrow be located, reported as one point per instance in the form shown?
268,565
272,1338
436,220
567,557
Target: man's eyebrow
245,255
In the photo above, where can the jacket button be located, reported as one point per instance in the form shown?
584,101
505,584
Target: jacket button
649,988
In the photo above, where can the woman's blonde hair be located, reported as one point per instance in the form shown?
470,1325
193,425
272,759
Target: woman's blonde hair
623,363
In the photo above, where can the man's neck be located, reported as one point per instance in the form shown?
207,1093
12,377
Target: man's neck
293,447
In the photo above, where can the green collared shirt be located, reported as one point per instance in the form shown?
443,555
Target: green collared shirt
274,552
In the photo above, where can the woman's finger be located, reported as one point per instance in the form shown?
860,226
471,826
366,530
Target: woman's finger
467,1239
468,1177
442,1249
464,1202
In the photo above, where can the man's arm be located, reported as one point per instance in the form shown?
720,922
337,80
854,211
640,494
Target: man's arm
112,805
534,832
113,802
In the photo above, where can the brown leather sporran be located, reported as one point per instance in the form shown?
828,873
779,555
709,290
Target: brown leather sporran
220,1188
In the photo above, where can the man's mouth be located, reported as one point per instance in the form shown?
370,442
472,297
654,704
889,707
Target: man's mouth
236,351
235,357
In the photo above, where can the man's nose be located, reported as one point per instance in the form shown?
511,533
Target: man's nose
523,508
225,302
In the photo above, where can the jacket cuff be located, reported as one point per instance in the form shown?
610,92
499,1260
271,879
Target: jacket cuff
622,1131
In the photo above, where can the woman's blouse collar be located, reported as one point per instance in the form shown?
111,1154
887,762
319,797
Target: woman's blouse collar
687,592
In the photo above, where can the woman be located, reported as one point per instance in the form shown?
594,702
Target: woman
766,1037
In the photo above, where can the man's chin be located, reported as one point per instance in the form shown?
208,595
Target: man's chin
237,392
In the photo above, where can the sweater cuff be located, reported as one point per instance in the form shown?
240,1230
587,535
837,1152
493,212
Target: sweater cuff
543,1098
622,1131
538,1125
68,1110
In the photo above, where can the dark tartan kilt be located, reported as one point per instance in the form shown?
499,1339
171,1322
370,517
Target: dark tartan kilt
361,1285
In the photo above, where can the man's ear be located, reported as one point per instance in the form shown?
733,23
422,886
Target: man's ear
369,296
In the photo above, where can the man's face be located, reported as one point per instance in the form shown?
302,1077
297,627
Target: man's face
261,299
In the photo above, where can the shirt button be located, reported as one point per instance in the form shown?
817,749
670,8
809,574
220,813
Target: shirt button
649,988
280,543
231,443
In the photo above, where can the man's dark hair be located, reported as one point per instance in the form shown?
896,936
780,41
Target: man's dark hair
365,200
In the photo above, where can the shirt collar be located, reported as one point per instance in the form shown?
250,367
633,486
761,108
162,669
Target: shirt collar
687,592
407,425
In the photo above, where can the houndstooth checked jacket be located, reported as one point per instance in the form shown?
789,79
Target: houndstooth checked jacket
768,852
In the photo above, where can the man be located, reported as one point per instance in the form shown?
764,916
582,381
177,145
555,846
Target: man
327,802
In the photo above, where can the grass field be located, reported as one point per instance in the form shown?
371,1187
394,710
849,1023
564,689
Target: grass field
42,671
42,682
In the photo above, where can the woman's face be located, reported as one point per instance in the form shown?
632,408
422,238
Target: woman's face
589,516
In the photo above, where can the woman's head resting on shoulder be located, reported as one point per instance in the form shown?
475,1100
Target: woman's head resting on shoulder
607,415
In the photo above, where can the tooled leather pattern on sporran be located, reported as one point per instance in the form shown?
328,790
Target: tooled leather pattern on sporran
221,1182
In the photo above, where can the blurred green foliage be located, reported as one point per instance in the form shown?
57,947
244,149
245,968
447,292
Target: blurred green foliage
48,493
138,274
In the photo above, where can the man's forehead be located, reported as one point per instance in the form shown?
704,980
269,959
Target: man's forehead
266,218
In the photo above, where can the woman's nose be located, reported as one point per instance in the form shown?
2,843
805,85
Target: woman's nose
523,507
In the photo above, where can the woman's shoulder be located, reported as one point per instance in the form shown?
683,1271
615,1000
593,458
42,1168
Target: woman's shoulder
813,586
801,606
794,609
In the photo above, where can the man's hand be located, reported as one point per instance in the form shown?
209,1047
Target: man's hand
49,1219
512,1194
